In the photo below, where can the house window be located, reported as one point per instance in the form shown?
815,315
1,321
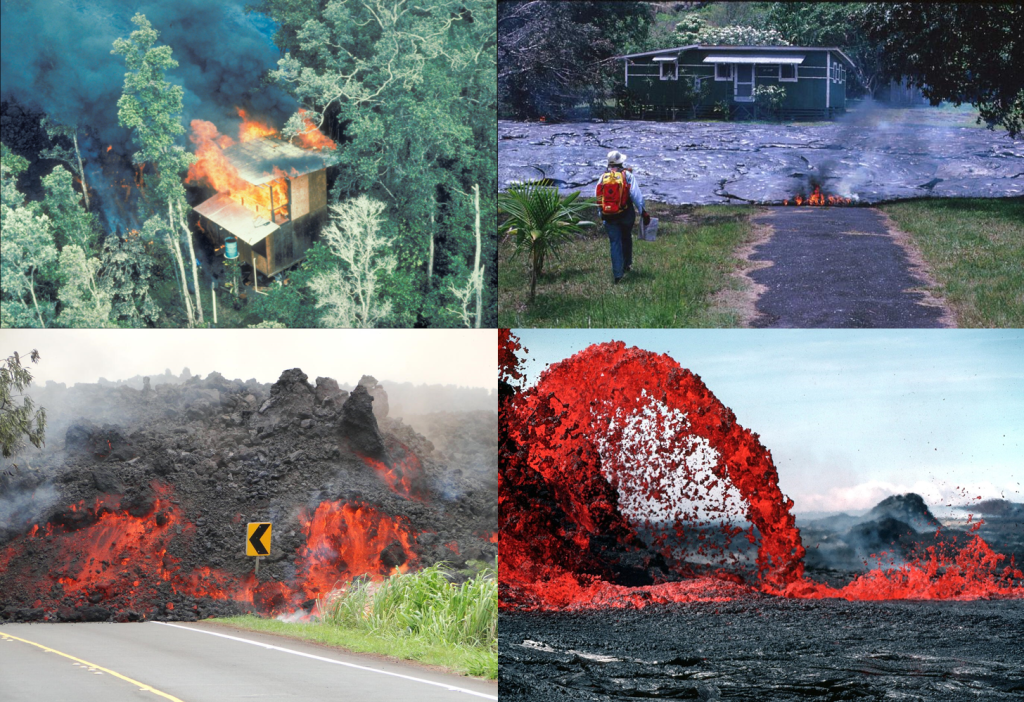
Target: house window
787,73
670,70
723,71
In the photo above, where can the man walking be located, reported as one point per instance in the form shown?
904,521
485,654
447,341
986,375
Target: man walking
619,197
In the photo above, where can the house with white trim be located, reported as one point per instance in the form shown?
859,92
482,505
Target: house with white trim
667,83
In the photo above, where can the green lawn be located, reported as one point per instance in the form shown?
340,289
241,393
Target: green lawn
674,282
975,249
462,660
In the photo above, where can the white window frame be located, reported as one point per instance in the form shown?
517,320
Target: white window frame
726,78
736,82
795,77
661,70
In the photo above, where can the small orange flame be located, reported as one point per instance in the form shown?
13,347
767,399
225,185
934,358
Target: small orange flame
252,129
817,198
109,148
311,137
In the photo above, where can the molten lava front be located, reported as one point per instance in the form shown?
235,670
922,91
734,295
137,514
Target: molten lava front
817,198
624,482
121,559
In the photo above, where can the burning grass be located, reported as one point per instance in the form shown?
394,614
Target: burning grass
974,248
420,616
677,280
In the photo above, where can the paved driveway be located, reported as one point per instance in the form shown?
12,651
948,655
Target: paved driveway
839,267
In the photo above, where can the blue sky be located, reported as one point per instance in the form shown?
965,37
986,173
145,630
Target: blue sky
852,416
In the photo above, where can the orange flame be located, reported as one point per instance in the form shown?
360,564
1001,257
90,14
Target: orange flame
253,129
212,168
817,198
311,137
109,148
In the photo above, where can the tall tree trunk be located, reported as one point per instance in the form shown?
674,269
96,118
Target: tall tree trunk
192,254
430,264
176,250
81,169
478,273
35,303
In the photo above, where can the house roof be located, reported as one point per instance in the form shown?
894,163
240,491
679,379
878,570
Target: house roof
679,49
256,159
753,58
236,218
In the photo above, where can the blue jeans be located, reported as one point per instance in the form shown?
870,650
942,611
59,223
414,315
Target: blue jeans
620,238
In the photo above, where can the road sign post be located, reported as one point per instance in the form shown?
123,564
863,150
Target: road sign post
257,541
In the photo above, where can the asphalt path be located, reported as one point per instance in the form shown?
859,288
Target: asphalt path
202,662
838,267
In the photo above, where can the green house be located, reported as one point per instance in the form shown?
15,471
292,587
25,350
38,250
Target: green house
698,81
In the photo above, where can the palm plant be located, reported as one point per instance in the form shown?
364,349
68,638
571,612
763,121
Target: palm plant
541,220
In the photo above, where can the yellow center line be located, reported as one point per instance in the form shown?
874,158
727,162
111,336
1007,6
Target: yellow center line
143,686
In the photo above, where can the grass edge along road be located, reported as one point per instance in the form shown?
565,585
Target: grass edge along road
974,248
418,616
676,281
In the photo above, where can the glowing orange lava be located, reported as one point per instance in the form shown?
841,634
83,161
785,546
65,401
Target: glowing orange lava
817,198
403,478
345,541
562,488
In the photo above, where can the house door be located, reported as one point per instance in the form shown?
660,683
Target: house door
743,82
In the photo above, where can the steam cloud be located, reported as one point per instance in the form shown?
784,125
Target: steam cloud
56,57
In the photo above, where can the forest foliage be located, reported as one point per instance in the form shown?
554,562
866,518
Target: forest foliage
408,94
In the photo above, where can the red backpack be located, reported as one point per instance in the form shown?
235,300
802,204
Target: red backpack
613,193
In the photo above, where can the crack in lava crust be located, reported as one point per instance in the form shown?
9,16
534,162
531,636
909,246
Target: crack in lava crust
617,469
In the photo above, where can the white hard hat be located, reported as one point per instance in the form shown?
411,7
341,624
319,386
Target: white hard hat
616,158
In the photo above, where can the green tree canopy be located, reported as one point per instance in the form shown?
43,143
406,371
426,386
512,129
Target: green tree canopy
960,52
19,419
551,54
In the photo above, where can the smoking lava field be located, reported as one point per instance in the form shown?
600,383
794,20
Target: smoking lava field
647,551
142,512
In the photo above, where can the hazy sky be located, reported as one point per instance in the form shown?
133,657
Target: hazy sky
451,356
852,416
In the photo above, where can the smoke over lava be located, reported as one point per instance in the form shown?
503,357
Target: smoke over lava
624,481
147,519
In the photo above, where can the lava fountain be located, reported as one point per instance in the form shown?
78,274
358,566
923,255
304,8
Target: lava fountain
624,481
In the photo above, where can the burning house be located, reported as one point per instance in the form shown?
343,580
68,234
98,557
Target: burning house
271,194
814,79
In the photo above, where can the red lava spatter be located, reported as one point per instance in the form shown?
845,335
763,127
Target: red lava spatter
616,429
120,558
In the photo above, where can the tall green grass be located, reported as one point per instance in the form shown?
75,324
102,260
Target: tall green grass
421,603
675,280
421,616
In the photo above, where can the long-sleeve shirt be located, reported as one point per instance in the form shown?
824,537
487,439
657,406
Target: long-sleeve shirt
634,191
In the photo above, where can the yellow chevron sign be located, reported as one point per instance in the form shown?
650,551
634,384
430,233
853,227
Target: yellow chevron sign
257,539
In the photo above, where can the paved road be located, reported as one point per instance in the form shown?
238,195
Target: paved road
202,663
837,267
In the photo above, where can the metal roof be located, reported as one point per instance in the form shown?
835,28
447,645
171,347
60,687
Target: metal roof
256,159
236,218
757,58
680,49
